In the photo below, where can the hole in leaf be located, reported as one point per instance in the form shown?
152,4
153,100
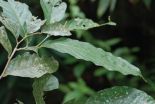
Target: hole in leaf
1,10
84,25
56,5
48,2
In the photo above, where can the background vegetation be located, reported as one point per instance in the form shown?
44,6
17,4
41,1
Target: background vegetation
132,38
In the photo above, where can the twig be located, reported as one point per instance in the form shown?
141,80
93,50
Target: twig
11,56
9,59
17,49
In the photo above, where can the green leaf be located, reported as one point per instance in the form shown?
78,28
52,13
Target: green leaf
117,95
31,48
56,29
147,3
4,40
86,51
79,89
54,10
31,65
15,15
17,18
110,23
10,25
45,83
19,102
121,95
34,25
80,24
72,95
112,5
81,100
102,7
51,84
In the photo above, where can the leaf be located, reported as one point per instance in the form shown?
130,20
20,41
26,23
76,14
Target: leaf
45,83
54,10
19,102
80,24
147,3
117,95
17,18
51,84
121,95
14,28
112,5
15,14
102,7
56,29
81,100
110,23
86,51
34,25
4,40
31,65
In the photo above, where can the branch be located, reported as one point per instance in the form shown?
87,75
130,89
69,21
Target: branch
11,56
9,59
16,49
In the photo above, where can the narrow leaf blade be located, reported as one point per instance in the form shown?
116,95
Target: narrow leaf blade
86,51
